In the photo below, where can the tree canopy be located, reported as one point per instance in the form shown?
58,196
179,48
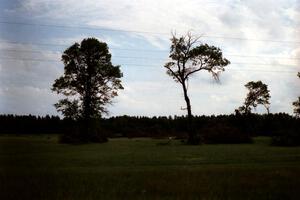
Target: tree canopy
89,82
258,94
296,104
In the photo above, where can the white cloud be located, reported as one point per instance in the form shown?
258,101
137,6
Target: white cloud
29,73
27,100
254,19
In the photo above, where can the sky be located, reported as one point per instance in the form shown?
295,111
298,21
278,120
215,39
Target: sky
260,38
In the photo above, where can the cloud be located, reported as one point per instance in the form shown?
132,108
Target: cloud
250,19
140,98
25,81
27,100
147,92
23,67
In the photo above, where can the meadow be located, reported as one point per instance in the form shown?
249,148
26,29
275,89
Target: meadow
38,167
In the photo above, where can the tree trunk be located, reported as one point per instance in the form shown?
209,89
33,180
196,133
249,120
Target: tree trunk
87,132
191,134
268,109
87,98
188,103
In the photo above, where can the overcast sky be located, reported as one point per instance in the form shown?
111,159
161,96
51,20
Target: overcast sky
260,38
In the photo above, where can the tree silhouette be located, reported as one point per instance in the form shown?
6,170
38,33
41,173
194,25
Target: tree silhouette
296,104
89,82
258,94
188,57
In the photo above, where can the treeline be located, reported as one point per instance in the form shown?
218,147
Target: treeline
234,128
283,128
30,124
128,126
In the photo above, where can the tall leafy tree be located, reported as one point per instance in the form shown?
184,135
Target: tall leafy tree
187,57
296,104
89,82
258,94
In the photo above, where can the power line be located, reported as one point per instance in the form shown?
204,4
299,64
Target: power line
132,49
66,45
29,51
257,70
48,52
83,27
246,63
153,66
29,59
263,56
234,63
137,31
34,43
233,55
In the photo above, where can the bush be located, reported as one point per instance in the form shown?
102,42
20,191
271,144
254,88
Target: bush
84,133
286,138
223,134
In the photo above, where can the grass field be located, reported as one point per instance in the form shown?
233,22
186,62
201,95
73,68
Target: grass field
37,167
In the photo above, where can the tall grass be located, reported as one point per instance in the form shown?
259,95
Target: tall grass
39,167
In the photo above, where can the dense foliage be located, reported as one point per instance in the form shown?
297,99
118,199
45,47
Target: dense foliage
89,82
258,95
211,129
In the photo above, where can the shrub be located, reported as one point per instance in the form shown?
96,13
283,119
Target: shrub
84,133
223,134
289,137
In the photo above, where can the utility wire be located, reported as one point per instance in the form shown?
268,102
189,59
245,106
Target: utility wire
153,66
125,49
66,45
233,55
137,31
52,60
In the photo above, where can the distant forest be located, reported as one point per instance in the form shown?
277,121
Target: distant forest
130,126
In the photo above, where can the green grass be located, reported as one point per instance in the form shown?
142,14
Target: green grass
38,167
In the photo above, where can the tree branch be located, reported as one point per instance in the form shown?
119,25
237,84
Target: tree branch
174,74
